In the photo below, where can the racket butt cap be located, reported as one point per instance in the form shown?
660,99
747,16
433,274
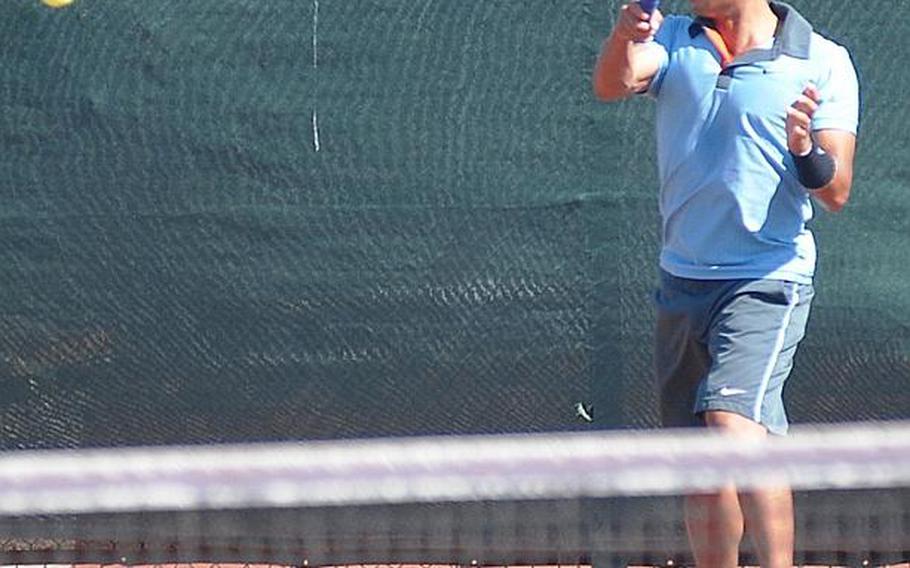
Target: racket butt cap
649,5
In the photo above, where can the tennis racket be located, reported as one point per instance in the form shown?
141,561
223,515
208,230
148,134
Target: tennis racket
649,5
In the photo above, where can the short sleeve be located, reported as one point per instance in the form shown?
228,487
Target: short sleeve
839,107
662,46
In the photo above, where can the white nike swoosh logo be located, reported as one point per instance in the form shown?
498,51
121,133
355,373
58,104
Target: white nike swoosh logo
727,391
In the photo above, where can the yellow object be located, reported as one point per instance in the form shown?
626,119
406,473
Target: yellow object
57,3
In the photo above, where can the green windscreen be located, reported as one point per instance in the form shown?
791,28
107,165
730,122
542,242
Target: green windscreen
273,220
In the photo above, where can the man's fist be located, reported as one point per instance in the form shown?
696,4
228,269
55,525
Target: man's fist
799,121
635,24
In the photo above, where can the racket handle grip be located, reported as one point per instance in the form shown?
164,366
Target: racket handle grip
649,5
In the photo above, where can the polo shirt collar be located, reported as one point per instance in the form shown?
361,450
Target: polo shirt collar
792,36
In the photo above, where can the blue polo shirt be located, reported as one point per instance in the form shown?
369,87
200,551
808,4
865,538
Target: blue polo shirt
730,201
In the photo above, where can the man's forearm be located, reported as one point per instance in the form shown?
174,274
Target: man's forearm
842,147
834,195
627,60
615,75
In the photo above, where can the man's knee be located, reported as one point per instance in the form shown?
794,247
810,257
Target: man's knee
734,424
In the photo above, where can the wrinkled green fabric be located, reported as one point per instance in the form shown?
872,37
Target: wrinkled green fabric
262,220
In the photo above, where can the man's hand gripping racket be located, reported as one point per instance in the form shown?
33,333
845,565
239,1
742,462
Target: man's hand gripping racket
639,21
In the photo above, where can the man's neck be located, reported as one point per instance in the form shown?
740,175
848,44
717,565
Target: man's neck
747,26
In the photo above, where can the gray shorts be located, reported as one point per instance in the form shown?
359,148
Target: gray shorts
727,345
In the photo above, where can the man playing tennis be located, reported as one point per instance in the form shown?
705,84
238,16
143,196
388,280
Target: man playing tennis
756,114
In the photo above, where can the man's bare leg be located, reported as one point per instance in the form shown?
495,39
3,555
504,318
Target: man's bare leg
715,526
769,523
715,522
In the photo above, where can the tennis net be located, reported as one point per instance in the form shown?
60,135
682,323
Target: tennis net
601,498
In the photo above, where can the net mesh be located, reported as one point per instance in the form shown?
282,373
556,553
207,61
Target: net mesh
606,499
